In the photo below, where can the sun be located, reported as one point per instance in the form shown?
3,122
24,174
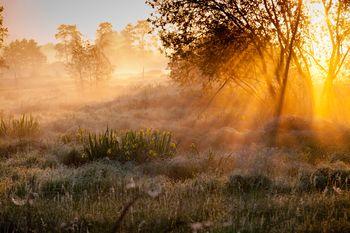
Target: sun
319,39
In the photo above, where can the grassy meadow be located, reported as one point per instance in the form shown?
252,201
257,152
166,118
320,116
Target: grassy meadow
141,159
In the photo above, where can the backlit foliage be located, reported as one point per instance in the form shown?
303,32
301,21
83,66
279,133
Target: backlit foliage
25,126
85,61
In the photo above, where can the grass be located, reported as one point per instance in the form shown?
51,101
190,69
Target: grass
254,190
203,204
37,194
25,126
137,146
172,194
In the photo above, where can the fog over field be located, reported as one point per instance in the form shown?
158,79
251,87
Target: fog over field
195,116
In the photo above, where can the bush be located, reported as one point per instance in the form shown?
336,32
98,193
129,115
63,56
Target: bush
23,127
138,146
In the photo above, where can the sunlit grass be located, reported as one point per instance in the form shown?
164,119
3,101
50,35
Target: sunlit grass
25,126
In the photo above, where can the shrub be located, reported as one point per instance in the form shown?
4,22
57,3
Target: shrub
138,146
23,127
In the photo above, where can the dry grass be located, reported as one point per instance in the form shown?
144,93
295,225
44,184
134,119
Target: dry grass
222,178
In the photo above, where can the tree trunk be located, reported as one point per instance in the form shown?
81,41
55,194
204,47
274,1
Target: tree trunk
282,93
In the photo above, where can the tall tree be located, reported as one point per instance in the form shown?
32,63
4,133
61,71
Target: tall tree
3,34
333,26
104,34
233,41
85,61
104,40
3,30
128,36
141,34
23,57
69,37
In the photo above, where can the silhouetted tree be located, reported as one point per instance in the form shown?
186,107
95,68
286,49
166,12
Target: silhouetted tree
335,23
223,42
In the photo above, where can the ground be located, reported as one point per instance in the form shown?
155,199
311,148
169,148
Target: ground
221,178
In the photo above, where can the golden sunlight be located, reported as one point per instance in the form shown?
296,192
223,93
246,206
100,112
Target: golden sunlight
149,116
320,43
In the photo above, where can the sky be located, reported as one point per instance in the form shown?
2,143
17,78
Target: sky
39,19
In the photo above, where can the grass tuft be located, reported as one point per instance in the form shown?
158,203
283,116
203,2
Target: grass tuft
26,126
138,146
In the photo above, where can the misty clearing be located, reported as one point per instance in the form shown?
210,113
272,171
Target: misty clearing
175,116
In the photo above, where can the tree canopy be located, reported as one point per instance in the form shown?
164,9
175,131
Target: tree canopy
252,44
23,57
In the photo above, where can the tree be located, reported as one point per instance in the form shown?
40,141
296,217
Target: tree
246,43
69,37
85,61
23,57
3,30
141,34
104,40
128,36
76,65
104,35
334,27
3,34
100,68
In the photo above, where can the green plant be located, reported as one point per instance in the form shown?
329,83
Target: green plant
147,145
23,127
102,145
138,146
77,136
3,128
72,156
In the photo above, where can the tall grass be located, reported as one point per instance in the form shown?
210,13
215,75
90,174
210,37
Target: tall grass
26,126
138,146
